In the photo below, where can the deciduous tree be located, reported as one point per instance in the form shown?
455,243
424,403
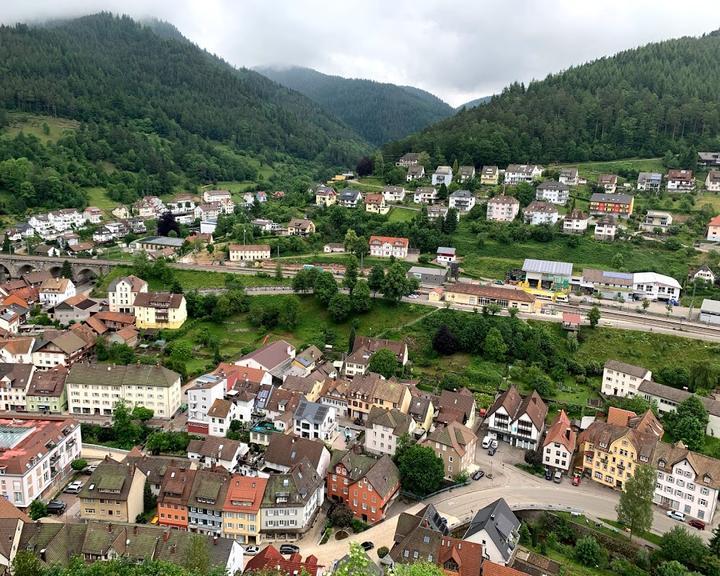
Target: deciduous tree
383,362
635,506
421,470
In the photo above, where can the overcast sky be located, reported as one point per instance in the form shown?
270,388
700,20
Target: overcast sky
457,49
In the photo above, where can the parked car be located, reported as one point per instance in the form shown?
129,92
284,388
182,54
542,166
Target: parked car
252,550
695,523
56,507
558,477
486,441
477,475
548,474
289,549
675,515
576,480
73,487
491,451
494,444
367,545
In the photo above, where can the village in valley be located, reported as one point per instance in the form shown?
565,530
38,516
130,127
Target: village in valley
249,326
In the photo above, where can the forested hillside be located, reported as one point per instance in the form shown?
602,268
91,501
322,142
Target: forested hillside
154,110
378,112
641,102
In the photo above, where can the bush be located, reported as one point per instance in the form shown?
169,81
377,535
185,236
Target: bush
78,464
382,551
341,516
37,509
358,526
588,552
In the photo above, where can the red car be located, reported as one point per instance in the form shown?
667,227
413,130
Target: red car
699,524
576,480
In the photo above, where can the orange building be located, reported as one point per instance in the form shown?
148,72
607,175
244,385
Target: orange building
366,484
241,511
174,496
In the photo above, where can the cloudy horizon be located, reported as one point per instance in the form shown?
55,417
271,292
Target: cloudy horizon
458,50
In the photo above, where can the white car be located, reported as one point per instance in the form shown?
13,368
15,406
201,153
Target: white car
252,550
675,515
73,487
413,296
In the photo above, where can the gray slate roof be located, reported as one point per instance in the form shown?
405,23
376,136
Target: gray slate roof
498,521
311,411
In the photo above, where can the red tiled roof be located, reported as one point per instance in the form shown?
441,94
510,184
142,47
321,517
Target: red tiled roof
390,240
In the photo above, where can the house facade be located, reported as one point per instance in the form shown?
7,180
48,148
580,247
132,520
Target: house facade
248,252
559,444
122,293
649,182
553,192
516,173
388,246
538,212
518,421
367,485
442,175
384,428
241,510
394,193
455,444
503,208
314,420
619,205
712,181
113,493
425,195
621,379
576,222
680,181
462,200
484,295
160,310
656,221
489,176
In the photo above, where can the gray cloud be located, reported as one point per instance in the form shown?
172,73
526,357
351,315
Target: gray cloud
457,49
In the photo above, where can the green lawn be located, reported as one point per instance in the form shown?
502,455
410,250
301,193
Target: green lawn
593,169
398,214
33,124
495,258
191,280
650,350
98,197
236,333
649,536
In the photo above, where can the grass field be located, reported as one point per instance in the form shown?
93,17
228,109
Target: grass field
191,280
314,327
34,124
98,197
593,169
494,258
399,214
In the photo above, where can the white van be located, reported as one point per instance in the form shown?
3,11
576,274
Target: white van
487,441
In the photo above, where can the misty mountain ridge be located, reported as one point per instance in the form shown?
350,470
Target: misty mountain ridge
643,102
378,111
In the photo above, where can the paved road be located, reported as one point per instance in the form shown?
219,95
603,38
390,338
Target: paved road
520,490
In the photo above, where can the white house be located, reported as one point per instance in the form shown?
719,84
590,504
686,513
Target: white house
200,397
349,198
605,228
122,293
415,172
445,255
569,176
220,415
712,182
425,195
314,420
56,290
503,208
516,173
248,252
621,379
291,502
394,193
217,196
680,180
387,246
498,530
538,212
686,481
559,444
553,192
576,222
516,420
654,286
212,451
462,201
466,173
442,175
649,181
383,429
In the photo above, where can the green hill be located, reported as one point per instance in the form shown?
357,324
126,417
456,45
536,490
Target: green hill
378,112
639,103
159,110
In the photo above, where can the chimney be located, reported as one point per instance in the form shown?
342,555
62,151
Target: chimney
42,554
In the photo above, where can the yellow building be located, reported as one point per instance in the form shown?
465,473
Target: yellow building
325,196
484,295
611,451
160,310
368,390
241,511
114,493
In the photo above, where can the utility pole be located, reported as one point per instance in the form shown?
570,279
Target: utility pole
692,301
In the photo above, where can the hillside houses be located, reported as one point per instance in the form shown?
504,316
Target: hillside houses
516,420
516,173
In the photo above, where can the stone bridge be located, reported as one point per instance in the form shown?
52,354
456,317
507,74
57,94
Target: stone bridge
84,269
